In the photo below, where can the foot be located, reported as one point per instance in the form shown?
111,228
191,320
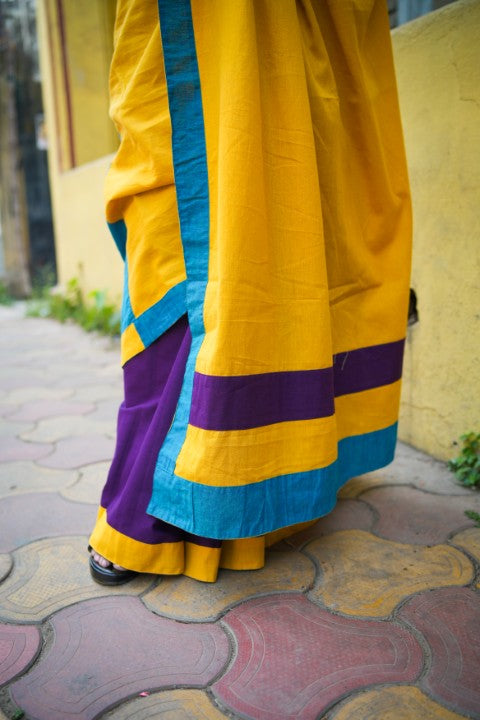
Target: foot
103,562
107,573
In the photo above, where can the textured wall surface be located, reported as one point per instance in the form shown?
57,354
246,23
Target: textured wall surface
438,72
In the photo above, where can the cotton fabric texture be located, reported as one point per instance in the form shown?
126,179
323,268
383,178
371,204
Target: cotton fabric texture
260,200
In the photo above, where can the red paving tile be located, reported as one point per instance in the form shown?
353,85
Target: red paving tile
294,658
449,619
409,515
28,517
19,645
73,452
11,448
109,649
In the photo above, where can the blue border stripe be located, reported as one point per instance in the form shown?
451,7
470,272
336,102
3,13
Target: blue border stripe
159,317
188,148
119,234
191,183
246,511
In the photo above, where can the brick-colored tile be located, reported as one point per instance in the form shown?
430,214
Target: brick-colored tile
294,659
24,518
449,620
392,703
71,453
368,576
183,598
19,644
409,515
109,649
347,515
51,574
168,705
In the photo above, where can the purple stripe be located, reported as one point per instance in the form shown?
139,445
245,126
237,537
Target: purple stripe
368,367
241,402
249,401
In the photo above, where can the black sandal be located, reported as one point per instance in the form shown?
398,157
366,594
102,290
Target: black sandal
109,575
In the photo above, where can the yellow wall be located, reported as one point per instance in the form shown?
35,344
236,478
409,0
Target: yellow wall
84,247
438,71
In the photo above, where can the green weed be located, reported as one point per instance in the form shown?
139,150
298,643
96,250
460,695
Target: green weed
466,467
92,313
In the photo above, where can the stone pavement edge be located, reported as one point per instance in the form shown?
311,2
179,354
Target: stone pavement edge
371,614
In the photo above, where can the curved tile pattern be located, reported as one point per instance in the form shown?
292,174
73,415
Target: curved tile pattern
449,619
183,598
168,705
19,645
409,515
109,649
294,659
403,702
51,574
367,576
24,518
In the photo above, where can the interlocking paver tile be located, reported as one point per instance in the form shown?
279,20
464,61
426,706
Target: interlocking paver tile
71,453
51,574
347,515
20,396
13,429
24,518
470,541
101,391
106,650
184,598
368,576
168,705
41,409
410,467
12,448
89,484
6,564
449,620
294,659
19,645
19,477
409,515
392,703
57,428
106,411
19,377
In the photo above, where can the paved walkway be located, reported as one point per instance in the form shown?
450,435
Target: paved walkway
374,613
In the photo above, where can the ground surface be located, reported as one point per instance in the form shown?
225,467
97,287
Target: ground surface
374,613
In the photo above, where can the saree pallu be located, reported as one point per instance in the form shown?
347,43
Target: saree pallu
260,200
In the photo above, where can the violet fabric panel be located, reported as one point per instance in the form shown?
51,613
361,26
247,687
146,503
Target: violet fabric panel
368,368
241,402
249,401
152,380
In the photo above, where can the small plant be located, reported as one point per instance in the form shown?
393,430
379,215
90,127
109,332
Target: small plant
94,313
466,467
473,516
5,297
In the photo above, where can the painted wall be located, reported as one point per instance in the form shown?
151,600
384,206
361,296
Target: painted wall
438,71
75,40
